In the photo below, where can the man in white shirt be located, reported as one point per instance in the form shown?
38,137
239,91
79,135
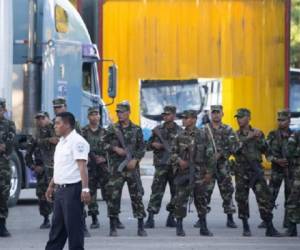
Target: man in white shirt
70,181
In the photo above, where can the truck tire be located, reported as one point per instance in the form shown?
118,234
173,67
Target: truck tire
16,179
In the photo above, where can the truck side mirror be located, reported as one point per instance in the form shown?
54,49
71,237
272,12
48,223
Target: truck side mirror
112,81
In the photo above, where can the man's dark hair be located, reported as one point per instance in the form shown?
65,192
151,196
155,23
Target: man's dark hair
67,117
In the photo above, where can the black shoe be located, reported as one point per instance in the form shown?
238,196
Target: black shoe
150,221
170,221
95,223
113,227
291,230
45,224
203,227
119,224
246,228
141,231
179,228
230,222
271,230
3,230
197,224
262,225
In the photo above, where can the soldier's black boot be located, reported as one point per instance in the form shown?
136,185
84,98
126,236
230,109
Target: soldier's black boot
271,230
203,227
3,230
230,222
86,231
291,230
246,228
150,221
119,224
113,227
170,221
179,228
46,223
197,224
95,223
262,225
141,231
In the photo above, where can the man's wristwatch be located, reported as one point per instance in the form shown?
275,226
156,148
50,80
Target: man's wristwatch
87,190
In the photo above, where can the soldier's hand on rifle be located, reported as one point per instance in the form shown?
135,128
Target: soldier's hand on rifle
282,162
100,159
119,151
132,164
183,164
218,155
157,145
2,147
207,178
54,140
38,169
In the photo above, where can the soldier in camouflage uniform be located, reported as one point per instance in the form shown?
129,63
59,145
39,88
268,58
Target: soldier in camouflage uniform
7,134
40,159
293,202
126,148
249,174
97,164
225,141
190,172
281,167
59,106
162,135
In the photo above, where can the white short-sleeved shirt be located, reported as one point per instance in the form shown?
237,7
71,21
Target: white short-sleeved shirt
68,150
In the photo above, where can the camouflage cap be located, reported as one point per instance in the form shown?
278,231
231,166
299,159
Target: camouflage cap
242,112
189,113
169,110
2,102
216,108
41,114
59,102
284,114
123,106
93,110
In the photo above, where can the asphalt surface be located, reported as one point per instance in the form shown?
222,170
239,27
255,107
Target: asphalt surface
24,221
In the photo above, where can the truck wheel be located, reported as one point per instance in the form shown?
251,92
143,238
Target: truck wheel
16,179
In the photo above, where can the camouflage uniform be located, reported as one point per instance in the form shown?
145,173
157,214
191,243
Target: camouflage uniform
293,203
163,171
7,134
226,142
133,137
98,174
277,141
251,151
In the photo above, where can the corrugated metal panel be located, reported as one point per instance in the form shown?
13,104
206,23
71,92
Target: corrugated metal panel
241,41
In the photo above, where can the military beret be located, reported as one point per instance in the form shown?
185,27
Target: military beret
283,114
59,102
41,114
189,113
123,106
216,108
169,110
2,102
242,112
93,110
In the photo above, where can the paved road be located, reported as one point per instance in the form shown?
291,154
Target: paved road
24,224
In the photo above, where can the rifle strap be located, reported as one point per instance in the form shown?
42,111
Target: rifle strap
211,137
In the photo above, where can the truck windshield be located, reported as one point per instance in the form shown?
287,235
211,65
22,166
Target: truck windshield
295,90
183,94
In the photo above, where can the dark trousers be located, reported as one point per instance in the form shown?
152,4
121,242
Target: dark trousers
67,219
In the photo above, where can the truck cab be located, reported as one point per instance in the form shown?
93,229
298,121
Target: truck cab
53,56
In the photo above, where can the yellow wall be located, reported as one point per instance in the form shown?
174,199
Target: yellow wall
240,41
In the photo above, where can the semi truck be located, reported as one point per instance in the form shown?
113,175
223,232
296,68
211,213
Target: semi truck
46,52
